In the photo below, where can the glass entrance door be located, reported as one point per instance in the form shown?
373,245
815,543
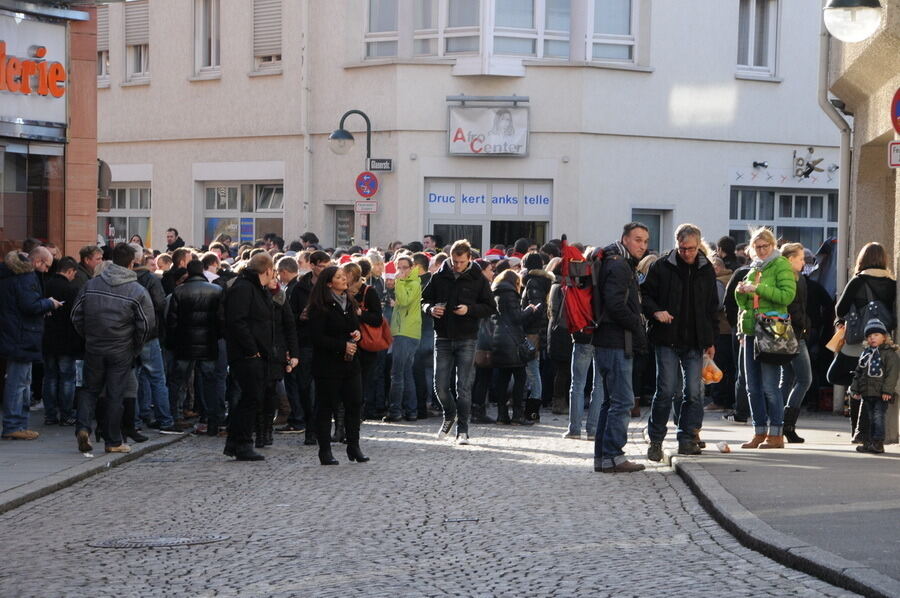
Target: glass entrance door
454,232
505,232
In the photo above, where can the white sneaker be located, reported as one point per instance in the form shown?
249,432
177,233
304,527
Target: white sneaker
445,428
462,438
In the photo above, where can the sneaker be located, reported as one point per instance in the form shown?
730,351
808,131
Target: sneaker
688,447
290,429
69,421
21,435
199,429
733,417
462,438
122,448
391,419
655,452
170,430
84,441
411,418
445,428
571,436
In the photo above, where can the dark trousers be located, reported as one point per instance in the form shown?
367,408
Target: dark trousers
875,408
250,374
723,392
298,385
329,393
501,384
115,373
482,386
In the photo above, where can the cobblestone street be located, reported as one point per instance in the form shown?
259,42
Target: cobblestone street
547,525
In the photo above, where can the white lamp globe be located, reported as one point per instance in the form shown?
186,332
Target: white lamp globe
852,21
340,141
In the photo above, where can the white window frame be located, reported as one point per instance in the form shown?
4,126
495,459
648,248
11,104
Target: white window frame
103,68
375,37
532,33
778,222
768,70
237,213
269,62
214,25
143,50
545,35
127,212
604,38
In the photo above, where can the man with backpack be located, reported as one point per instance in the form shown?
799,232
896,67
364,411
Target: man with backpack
619,333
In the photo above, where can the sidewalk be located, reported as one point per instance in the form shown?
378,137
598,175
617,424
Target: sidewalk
30,469
818,506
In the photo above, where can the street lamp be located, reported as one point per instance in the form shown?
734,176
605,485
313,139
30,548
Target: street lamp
341,140
852,20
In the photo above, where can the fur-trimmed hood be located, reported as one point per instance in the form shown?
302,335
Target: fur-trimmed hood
16,263
541,273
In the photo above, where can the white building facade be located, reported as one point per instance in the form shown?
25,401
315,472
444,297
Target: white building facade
502,118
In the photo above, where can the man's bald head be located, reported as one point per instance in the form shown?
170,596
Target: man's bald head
41,258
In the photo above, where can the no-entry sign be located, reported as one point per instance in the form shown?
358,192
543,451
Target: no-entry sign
366,184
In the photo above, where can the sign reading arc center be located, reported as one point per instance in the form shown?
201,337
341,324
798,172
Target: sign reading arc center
488,131
31,75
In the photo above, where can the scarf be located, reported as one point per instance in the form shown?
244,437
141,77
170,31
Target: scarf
340,299
758,264
870,362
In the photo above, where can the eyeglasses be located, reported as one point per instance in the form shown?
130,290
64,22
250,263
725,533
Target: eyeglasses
761,246
687,249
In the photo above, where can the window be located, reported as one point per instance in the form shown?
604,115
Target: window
557,25
245,211
757,35
383,34
103,44
613,37
344,226
206,36
798,217
658,221
514,28
137,40
426,28
129,214
463,27
267,34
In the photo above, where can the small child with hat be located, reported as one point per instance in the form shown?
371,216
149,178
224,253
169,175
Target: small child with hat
875,382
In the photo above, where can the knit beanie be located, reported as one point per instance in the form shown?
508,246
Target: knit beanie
875,325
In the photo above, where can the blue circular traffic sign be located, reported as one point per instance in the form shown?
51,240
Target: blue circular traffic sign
366,184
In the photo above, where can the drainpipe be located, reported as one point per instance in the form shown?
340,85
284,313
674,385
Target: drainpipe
843,235
307,141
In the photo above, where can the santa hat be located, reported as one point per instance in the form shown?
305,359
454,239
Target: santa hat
345,258
390,271
514,261
518,255
494,255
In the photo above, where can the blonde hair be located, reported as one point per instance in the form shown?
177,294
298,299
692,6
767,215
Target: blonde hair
353,271
761,233
509,276
644,265
791,249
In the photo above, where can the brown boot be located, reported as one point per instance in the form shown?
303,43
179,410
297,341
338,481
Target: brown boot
636,409
773,442
699,442
758,439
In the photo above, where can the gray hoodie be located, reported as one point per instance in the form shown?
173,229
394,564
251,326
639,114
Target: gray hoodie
114,313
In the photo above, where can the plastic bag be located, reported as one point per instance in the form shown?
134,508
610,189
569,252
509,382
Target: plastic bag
710,373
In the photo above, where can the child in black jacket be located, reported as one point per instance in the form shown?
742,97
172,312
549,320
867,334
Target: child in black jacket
875,382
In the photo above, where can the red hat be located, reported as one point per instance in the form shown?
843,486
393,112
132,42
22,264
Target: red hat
493,255
345,258
518,255
390,270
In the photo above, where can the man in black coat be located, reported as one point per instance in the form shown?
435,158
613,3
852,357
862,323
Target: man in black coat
193,329
457,296
619,332
62,346
250,339
173,240
681,304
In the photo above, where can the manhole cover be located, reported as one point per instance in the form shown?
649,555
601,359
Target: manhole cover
157,541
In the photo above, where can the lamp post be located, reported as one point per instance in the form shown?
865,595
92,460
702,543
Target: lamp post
852,20
341,141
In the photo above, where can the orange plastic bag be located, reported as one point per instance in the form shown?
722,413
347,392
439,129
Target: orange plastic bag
710,373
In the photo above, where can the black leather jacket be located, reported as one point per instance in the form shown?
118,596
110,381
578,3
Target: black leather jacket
194,319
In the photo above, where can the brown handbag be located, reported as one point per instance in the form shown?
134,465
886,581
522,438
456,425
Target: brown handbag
374,338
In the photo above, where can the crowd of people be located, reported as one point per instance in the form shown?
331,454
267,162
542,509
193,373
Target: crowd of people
235,339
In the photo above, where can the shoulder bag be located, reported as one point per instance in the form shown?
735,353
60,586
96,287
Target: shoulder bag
374,338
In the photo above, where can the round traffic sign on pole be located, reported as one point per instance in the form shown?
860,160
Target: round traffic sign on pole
895,111
366,184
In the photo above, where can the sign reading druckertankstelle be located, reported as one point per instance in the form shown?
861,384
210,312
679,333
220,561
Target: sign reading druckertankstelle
32,69
488,131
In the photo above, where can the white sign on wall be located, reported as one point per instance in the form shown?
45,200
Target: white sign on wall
489,198
39,48
486,131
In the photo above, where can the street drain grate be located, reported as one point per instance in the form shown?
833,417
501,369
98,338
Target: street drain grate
157,541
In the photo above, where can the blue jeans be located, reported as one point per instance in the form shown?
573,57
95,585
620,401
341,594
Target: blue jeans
454,359
374,394
766,404
796,378
533,371
16,396
875,407
583,354
615,411
152,389
674,367
59,387
213,402
402,399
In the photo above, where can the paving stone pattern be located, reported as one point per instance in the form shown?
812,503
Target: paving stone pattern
547,525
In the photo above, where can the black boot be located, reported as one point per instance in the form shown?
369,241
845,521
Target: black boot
340,432
270,429
310,437
325,456
260,432
790,425
354,454
245,452
479,416
229,448
533,410
502,412
518,414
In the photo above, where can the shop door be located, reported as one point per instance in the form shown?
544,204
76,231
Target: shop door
451,232
506,232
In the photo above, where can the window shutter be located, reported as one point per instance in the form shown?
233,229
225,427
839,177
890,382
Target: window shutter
137,23
266,27
103,28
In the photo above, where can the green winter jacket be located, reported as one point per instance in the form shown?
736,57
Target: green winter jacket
776,289
407,317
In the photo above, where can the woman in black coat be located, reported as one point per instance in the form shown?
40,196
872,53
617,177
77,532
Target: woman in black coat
334,331
509,336
369,311
559,344
870,274
536,283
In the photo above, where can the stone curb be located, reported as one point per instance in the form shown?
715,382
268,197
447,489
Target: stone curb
18,496
754,533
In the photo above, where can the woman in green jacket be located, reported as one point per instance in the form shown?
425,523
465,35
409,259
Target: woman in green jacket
406,328
772,281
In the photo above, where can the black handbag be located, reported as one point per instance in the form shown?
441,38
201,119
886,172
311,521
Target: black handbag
527,350
856,319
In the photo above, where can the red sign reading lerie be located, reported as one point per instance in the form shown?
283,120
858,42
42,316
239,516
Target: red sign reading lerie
31,75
